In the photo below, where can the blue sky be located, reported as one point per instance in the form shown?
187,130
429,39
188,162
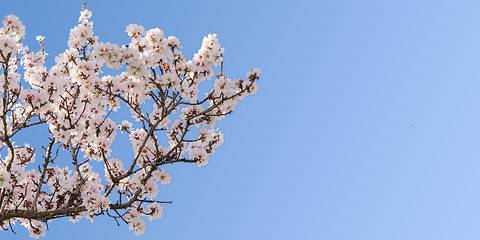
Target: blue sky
366,124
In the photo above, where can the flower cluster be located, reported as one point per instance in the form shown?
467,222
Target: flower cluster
76,103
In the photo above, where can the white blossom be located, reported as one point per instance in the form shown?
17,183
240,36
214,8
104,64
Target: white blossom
165,93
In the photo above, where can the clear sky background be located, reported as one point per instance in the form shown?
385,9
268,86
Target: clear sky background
366,124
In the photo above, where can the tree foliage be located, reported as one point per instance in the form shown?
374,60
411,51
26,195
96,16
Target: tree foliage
171,120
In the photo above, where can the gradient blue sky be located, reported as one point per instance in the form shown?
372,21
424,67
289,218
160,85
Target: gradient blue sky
366,124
